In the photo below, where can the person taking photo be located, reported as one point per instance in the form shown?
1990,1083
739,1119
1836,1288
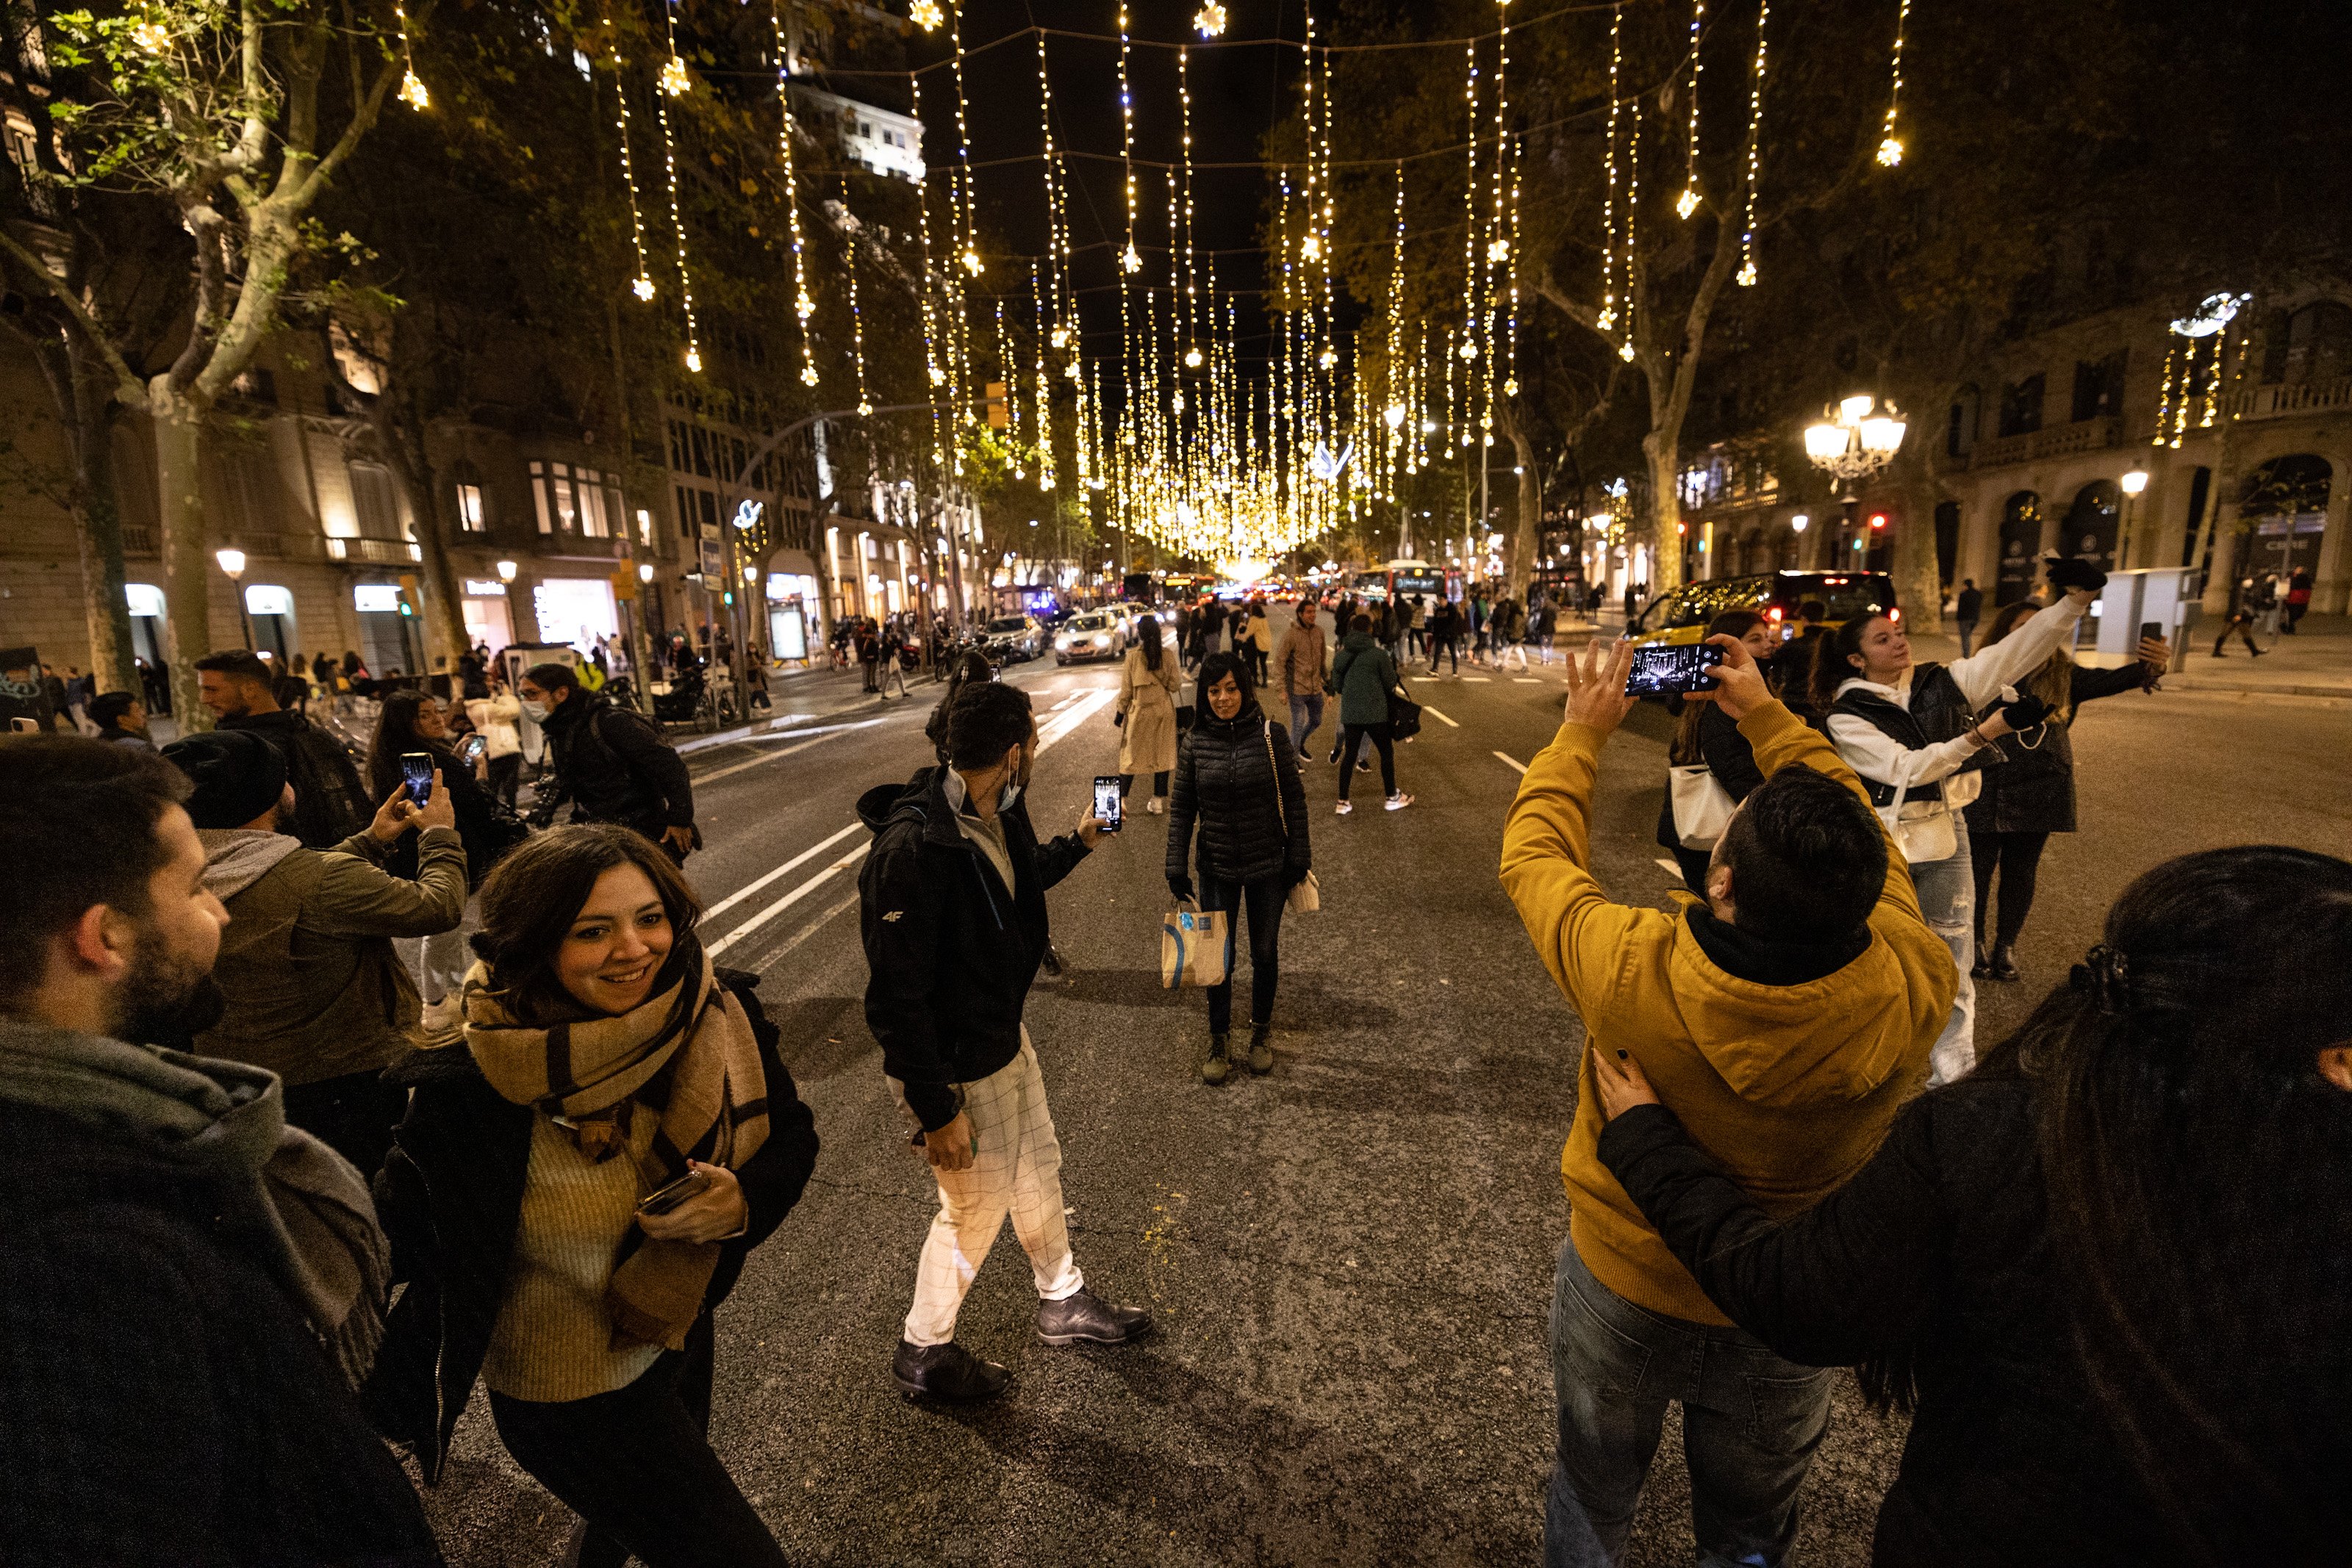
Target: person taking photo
1706,736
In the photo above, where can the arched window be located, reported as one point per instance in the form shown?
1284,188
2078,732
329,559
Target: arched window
2283,506
2089,531
2020,547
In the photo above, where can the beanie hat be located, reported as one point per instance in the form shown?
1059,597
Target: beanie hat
238,776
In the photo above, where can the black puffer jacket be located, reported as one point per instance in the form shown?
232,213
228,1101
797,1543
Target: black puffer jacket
1226,777
2033,790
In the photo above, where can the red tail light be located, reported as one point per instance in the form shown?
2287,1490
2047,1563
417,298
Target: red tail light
1773,613
1896,615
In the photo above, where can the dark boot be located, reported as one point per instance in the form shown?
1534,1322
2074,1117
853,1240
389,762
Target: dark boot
1219,1062
1261,1056
2004,961
947,1372
1088,1317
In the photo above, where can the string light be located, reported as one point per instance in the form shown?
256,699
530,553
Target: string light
1468,346
1129,259
925,13
669,167
1890,146
804,307
1607,320
856,323
1210,19
412,88
1633,217
1687,203
1747,278
642,286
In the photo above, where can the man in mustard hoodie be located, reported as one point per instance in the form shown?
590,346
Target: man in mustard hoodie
1784,1020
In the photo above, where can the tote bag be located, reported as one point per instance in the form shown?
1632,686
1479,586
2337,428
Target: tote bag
1193,944
1306,895
1702,806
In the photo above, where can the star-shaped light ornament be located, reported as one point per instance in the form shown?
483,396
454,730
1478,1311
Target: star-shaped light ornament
1210,19
808,375
1687,203
1890,151
413,93
1131,261
674,79
643,288
925,14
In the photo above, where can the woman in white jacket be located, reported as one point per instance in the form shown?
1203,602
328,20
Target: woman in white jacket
1911,733
495,718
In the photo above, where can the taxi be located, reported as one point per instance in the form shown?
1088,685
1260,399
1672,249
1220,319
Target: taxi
1682,615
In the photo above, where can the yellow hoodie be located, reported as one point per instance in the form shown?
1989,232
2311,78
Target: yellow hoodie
1788,1088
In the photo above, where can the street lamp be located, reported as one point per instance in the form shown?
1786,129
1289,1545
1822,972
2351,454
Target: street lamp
507,571
1854,442
232,564
2134,481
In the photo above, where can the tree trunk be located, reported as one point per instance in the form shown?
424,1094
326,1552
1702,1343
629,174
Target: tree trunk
1525,539
1918,576
187,603
98,531
1660,450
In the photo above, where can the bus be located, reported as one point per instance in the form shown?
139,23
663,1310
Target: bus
1403,579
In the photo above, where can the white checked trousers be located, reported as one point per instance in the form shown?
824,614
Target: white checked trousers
1016,1170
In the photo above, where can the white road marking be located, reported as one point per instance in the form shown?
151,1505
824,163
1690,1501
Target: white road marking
1439,716
1069,719
1523,680
1513,762
806,932
1477,680
733,899
781,723
806,738
788,900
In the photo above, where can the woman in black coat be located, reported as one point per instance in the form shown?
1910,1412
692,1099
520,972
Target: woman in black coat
574,1190
2030,795
2111,1271
1237,777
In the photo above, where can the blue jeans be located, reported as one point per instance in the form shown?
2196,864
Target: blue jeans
1948,900
1306,717
1750,1424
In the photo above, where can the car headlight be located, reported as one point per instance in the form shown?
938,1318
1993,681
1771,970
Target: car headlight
1061,642
1102,640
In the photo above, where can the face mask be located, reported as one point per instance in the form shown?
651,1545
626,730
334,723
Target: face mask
535,712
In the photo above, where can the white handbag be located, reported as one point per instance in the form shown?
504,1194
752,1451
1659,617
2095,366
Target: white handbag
1306,894
1703,807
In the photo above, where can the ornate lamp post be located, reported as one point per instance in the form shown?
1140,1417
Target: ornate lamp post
232,565
2134,481
1853,441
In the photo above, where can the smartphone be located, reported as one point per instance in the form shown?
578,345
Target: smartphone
666,1199
416,767
25,727
1107,801
1660,668
2151,631
470,750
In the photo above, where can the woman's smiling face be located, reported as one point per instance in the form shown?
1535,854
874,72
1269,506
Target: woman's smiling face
616,944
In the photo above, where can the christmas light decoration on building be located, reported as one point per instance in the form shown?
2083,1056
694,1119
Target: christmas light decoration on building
1890,146
804,307
1687,203
669,168
643,285
411,87
1747,278
856,323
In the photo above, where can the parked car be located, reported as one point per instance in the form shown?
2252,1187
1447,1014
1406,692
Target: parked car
1015,637
1096,634
1682,616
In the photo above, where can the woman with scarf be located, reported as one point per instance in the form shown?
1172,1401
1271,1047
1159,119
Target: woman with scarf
1237,775
574,1191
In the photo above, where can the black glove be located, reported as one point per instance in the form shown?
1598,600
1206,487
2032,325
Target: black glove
1292,877
2025,712
2073,572
1181,886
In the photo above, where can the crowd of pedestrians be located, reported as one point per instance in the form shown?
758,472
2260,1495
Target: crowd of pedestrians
288,1166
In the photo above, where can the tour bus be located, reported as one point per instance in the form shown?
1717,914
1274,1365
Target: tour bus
1403,579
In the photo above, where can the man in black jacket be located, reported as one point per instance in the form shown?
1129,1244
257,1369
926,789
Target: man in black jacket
952,905
186,1285
609,761
331,803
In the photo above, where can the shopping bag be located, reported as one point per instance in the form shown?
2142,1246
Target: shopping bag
1702,806
1193,944
1306,895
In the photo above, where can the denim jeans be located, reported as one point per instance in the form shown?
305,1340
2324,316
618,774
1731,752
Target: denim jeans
1305,717
1750,1424
1948,898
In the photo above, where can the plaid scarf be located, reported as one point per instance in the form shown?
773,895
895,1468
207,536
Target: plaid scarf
686,1054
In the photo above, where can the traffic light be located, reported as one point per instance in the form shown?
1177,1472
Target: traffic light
408,593
1877,521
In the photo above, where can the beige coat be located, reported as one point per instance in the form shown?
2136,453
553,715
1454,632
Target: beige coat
1148,698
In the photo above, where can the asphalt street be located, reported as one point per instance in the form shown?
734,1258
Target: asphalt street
1351,1261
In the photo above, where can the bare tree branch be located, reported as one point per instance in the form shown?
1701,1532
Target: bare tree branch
128,386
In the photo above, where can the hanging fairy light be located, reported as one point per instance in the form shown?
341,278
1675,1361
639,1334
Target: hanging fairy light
643,285
1468,346
804,307
412,87
856,319
1890,146
1632,220
669,168
1747,278
1607,320
1129,259
925,14
1687,203
1210,19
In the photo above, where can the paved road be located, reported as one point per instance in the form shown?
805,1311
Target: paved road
1350,1259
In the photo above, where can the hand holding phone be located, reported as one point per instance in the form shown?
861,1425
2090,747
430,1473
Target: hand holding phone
471,749
1107,802
663,1199
416,767
1660,668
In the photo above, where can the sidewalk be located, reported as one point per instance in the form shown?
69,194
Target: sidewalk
2316,661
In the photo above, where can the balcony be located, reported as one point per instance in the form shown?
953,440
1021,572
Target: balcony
2292,398
2060,441
373,553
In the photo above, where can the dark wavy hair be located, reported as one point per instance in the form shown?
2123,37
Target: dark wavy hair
1147,637
395,732
1832,655
2198,1167
536,891
1215,668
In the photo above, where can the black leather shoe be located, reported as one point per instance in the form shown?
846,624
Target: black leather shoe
2004,962
945,1372
1086,1317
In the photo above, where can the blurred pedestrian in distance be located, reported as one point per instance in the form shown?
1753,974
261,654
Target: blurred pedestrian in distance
496,718
316,993
611,762
951,907
121,719
577,1187
1911,733
1237,779
331,803
1300,666
1148,680
2298,598
1785,1018
2109,1276
1968,607
1445,635
2244,605
2031,794
1364,674
1255,643
188,1286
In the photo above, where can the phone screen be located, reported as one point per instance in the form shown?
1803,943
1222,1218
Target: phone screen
472,748
1107,802
2151,631
1662,667
416,767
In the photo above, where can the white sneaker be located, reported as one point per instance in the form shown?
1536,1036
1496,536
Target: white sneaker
1398,802
1343,808
1153,806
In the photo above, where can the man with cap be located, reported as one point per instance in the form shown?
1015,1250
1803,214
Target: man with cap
315,992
